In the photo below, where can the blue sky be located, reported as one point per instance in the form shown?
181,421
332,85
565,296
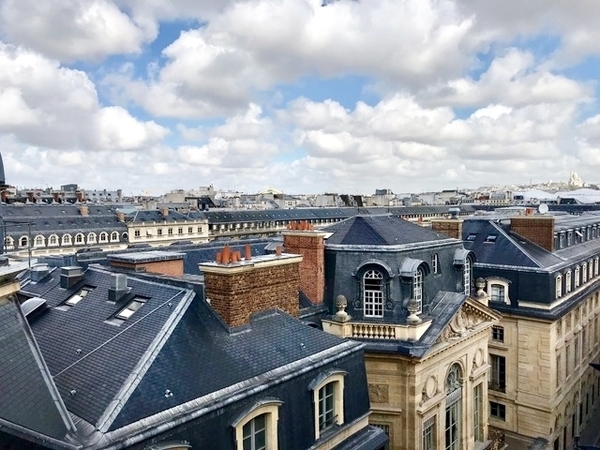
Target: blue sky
413,96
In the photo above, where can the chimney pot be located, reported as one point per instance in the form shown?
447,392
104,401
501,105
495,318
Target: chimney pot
226,255
278,250
248,252
219,258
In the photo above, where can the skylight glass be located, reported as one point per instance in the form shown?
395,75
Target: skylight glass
76,298
128,311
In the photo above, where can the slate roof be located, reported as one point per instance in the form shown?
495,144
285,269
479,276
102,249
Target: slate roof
111,377
155,215
380,230
59,219
505,248
272,340
84,352
25,392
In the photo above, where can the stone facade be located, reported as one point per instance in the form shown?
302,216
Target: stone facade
238,290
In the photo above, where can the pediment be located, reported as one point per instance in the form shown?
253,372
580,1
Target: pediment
471,316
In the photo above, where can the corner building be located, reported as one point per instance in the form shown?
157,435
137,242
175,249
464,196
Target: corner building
405,292
542,275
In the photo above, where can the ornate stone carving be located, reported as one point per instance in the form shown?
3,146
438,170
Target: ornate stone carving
430,387
379,393
463,321
341,304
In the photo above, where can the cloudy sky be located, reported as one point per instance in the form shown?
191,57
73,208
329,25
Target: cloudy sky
307,96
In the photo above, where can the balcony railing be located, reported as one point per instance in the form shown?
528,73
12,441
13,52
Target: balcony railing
373,331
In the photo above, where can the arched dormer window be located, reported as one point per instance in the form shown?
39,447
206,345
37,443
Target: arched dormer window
114,236
256,427
568,282
40,241
467,275
373,293
9,242
23,241
577,277
79,239
103,237
91,238
559,286
66,239
52,240
418,290
328,399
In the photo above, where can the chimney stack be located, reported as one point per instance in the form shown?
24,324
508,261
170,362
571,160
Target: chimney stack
118,287
164,212
450,227
121,216
303,240
538,229
237,289
156,261
84,210
70,276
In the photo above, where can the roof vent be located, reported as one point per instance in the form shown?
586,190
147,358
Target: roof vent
118,287
30,306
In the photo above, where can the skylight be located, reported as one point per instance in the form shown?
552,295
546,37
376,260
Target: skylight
491,238
76,298
131,308
471,237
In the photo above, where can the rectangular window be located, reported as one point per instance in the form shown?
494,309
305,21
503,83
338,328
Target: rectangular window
558,286
199,229
498,333
477,419
577,356
498,375
386,429
498,293
498,411
170,231
429,434
418,290
467,276
159,232
435,263
568,362
453,422
326,407
558,371
180,230
568,282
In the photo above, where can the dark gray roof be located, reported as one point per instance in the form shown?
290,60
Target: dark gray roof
492,243
26,391
379,230
90,359
155,215
209,358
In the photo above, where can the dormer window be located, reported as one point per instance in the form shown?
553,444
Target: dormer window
568,282
498,293
558,286
435,263
577,278
467,276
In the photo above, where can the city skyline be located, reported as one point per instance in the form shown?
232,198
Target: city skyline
305,96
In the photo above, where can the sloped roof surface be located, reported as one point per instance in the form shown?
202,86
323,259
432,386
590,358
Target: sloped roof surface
202,357
379,230
84,352
25,397
505,248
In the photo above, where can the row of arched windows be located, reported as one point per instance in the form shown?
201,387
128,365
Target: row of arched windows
65,240
572,279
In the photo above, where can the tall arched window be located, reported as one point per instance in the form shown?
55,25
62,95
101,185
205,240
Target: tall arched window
453,424
373,293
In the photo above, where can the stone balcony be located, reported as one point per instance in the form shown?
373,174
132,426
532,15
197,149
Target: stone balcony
368,330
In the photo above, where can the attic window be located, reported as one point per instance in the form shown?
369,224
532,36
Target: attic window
131,308
471,237
491,238
76,298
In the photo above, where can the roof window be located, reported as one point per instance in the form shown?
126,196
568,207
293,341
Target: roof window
491,238
76,298
130,309
471,237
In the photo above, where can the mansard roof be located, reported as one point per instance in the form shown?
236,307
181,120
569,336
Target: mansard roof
172,358
379,230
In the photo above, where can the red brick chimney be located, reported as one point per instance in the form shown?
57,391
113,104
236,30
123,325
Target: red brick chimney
302,240
160,262
450,227
538,229
237,289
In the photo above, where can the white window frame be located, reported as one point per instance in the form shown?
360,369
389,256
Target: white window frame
91,238
103,237
558,281
24,241
418,290
435,263
467,276
79,239
568,282
577,277
114,236
39,241
53,240
502,295
373,299
67,239
271,410
337,379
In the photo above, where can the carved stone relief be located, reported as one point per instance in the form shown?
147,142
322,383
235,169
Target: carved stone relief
379,393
